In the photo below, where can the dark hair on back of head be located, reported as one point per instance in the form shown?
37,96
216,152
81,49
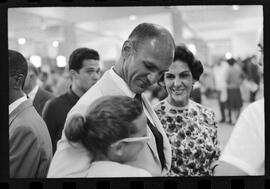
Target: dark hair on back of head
79,55
147,31
107,120
17,64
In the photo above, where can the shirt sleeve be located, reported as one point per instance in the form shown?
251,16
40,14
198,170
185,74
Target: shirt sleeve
24,153
245,148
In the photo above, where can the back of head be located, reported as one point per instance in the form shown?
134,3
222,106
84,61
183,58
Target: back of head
107,120
77,56
182,53
231,61
146,31
17,64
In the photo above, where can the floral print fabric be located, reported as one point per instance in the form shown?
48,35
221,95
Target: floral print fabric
192,132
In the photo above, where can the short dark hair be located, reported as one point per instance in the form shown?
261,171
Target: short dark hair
77,56
147,31
107,120
231,61
17,64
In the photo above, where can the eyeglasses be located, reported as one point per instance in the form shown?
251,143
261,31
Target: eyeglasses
134,139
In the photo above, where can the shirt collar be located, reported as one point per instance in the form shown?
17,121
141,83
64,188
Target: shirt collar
33,93
73,95
121,83
16,103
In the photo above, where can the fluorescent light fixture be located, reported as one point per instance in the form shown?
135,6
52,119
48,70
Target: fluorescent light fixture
228,55
35,60
61,61
132,17
55,43
235,7
21,41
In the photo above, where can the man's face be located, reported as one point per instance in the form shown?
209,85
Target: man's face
145,66
88,75
27,83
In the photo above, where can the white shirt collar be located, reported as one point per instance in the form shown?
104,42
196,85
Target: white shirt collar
33,93
121,83
16,103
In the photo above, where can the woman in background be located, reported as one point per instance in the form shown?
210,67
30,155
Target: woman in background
190,127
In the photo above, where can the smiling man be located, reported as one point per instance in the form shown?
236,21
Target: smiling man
85,71
145,56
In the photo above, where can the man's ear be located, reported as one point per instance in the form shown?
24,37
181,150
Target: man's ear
19,81
73,73
127,49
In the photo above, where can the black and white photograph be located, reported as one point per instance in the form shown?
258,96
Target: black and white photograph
138,91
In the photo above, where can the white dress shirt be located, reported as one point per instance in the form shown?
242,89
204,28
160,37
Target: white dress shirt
33,93
16,103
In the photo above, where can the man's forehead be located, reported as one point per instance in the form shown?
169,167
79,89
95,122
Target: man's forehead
87,63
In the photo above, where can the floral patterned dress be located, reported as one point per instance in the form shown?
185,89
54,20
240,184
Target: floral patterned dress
192,132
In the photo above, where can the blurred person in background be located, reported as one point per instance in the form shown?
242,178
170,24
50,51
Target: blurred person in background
38,95
190,127
44,78
244,153
30,148
84,69
253,77
220,70
145,56
114,131
234,79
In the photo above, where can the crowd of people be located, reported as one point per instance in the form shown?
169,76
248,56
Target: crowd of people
109,125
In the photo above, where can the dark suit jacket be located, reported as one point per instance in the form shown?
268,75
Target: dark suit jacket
30,147
40,99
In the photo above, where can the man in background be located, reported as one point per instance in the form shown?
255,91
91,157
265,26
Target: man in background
38,95
30,148
85,71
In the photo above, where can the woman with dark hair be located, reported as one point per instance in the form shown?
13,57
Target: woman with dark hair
114,132
190,127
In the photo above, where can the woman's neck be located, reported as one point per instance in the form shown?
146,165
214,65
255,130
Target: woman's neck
179,104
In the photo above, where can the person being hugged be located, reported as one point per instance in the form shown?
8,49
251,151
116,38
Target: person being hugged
114,131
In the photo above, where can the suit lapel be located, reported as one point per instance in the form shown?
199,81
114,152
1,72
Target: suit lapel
155,121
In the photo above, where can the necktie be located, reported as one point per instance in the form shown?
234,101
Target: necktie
157,135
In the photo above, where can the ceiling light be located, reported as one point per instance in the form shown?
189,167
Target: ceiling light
192,48
132,17
235,7
35,60
61,61
21,41
55,43
228,55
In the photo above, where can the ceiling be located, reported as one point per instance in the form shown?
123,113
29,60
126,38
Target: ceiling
209,23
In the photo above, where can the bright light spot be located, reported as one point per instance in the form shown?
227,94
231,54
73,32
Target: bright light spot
35,60
235,7
132,17
228,55
61,61
192,48
21,41
55,43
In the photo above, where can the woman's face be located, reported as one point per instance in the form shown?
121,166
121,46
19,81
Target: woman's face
178,81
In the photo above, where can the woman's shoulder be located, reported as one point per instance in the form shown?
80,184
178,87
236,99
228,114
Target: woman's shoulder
201,108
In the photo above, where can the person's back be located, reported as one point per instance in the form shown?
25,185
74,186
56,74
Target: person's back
28,123
234,77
